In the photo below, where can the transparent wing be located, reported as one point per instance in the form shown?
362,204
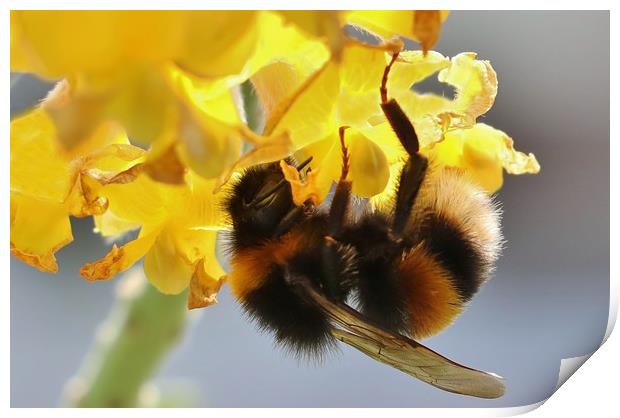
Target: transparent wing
406,354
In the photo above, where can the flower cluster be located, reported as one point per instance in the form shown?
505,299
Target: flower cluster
144,126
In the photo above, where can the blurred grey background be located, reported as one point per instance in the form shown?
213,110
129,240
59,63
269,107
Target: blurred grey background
548,300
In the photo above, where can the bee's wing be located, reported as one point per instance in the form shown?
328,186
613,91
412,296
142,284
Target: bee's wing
408,355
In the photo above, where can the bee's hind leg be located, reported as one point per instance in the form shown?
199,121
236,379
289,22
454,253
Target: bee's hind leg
413,172
337,258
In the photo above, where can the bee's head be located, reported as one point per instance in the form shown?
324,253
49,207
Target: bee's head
260,201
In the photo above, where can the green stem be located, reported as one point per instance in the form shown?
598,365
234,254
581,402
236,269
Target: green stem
130,345
141,329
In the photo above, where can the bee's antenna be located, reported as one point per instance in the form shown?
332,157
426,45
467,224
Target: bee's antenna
260,198
383,89
345,153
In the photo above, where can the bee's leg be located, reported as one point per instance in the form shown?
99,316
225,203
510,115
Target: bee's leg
411,178
337,259
415,168
289,219
341,202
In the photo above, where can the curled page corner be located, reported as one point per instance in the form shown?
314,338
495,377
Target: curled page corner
568,366
515,410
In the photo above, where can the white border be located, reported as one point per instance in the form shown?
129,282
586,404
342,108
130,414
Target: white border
593,391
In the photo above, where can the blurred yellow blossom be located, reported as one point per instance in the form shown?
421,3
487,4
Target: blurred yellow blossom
106,44
423,26
166,76
48,185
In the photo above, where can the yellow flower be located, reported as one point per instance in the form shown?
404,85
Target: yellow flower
478,148
48,185
178,232
346,93
338,93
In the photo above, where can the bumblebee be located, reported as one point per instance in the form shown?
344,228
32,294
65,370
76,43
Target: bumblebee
409,267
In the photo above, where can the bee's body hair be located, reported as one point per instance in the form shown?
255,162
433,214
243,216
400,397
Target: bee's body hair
250,225
459,223
411,266
261,275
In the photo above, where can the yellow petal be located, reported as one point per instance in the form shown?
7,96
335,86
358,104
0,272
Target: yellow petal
198,207
482,151
384,201
355,109
110,225
413,67
369,170
218,43
326,161
169,265
286,59
421,25
143,201
324,24
75,115
103,43
302,190
482,166
143,101
203,288
46,35
361,70
39,228
384,23
307,113
274,82
19,56
85,199
94,173
86,196
120,258
278,42
383,136
427,27
37,165
113,158
166,166
207,145
208,133
266,149
516,162
475,82
368,166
